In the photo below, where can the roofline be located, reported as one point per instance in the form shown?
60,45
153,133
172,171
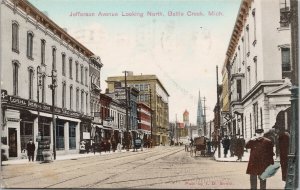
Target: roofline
128,79
52,26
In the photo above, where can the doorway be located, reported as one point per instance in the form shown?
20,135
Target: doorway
12,142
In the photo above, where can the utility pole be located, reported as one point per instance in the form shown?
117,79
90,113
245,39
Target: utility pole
218,116
204,117
176,129
127,131
151,117
292,178
53,85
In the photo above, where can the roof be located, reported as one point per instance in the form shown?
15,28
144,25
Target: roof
137,78
41,18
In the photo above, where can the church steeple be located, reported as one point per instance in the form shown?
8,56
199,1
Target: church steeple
199,112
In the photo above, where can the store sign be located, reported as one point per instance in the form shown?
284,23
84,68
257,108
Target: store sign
120,94
86,135
29,104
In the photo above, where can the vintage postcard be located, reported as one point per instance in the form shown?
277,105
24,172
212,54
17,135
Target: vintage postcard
153,94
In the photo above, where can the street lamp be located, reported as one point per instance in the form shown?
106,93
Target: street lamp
39,156
52,86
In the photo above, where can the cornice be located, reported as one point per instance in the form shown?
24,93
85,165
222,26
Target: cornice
37,18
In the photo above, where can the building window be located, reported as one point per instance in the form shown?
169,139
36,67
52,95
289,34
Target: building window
82,102
77,99
30,83
261,118
70,68
255,115
77,65
254,27
86,76
81,74
60,142
284,13
248,40
251,126
63,60
15,77
43,89
64,94
239,89
86,103
255,68
29,44
72,135
285,59
54,58
43,46
15,36
71,97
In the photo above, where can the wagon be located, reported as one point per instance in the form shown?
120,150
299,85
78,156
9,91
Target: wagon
198,147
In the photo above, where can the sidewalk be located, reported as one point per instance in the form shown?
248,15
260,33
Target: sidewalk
245,158
68,157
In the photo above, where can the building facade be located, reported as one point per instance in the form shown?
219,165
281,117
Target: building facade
258,56
152,93
33,48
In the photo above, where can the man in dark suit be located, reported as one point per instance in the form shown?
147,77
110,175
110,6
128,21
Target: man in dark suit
261,156
30,150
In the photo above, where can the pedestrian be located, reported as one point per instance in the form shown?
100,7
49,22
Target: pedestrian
261,156
30,150
226,145
283,143
232,145
239,149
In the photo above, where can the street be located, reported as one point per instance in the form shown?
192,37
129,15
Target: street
160,167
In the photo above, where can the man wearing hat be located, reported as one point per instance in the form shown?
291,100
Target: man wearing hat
283,143
261,156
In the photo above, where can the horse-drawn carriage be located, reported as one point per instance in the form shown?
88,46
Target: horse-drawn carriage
199,146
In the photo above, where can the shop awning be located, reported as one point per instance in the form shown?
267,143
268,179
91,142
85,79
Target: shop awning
41,113
57,116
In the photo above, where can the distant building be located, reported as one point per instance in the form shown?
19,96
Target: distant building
148,85
200,116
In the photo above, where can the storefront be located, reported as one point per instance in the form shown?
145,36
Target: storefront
24,120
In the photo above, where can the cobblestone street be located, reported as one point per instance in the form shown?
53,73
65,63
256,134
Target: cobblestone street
160,167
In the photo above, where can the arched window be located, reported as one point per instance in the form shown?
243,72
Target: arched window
77,71
71,97
43,46
82,102
30,83
70,68
54,58
81,74
16,65
64,94
43,88
29,44
63,63
77,99
86,76
15,36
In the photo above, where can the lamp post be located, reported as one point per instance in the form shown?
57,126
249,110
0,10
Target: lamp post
52,86
39,156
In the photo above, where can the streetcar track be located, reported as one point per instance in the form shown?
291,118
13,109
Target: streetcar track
93,172
142,164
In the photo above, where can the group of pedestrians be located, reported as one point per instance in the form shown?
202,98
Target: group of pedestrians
261,155
235,145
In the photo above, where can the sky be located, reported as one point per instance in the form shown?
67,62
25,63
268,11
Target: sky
182,44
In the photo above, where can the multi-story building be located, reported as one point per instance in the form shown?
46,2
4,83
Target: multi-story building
32,48
225,100
148,85
259,59
144,120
